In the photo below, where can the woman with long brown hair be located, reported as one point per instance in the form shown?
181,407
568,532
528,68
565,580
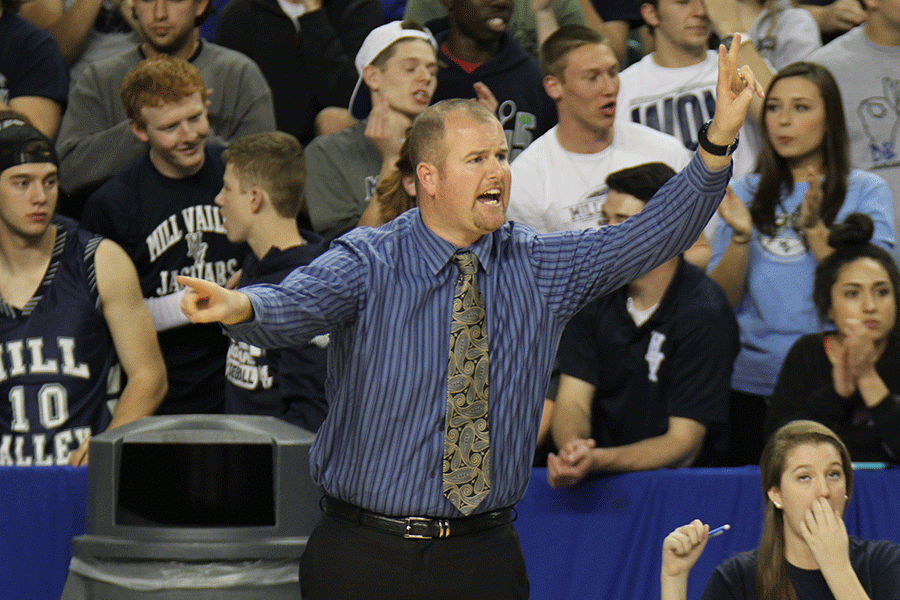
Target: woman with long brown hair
775,232
805,552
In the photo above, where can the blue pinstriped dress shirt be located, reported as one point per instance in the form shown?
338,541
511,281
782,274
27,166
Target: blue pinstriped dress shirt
385,296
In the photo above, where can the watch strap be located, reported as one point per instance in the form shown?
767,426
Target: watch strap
712,148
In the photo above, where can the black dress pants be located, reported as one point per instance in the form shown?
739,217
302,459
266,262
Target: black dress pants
348,561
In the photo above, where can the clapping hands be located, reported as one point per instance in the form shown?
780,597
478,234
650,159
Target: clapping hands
811,207
852,355
735,214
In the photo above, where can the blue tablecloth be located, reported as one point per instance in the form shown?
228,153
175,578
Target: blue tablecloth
601,539
41,510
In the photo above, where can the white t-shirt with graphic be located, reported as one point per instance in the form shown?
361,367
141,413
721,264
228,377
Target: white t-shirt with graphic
557,190
678,101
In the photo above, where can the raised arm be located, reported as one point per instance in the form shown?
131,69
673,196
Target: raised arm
854,359
616,32
544,19
824,532
837,17
40,84
333,49
44,113
680,552
133,336
735,90
671,221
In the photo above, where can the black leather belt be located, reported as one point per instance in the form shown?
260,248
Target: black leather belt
420,528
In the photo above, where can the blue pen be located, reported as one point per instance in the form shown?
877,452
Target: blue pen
719,530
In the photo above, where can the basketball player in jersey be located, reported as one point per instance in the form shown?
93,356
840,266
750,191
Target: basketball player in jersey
71,312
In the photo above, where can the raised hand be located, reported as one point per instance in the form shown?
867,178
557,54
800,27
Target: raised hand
683,547
207,302
386,129
734,91
860,344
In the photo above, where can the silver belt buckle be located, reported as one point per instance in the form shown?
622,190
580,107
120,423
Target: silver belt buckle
444,525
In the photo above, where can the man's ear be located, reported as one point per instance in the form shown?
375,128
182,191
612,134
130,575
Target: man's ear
138,131
553,87
648,12
428,176
201,7
409,184
259,199
371,77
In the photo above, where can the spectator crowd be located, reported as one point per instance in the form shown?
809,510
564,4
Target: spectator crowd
235,141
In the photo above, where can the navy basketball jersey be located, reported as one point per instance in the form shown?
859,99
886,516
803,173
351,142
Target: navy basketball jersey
59,373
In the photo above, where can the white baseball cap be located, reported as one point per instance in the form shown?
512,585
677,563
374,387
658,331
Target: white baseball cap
377,42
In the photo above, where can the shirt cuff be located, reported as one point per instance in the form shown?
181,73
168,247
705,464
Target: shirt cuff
705,181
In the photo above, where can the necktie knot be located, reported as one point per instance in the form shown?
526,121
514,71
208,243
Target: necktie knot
466,261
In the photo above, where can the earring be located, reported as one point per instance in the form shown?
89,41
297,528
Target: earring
846,497
777,505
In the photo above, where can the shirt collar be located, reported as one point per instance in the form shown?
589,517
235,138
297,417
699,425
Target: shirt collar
436,251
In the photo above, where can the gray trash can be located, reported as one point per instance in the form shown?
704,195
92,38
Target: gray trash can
195,506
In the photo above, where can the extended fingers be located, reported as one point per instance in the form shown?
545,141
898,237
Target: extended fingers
201,285
727,66
751,85
734,78
822,511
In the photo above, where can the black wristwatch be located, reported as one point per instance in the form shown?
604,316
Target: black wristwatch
715,149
